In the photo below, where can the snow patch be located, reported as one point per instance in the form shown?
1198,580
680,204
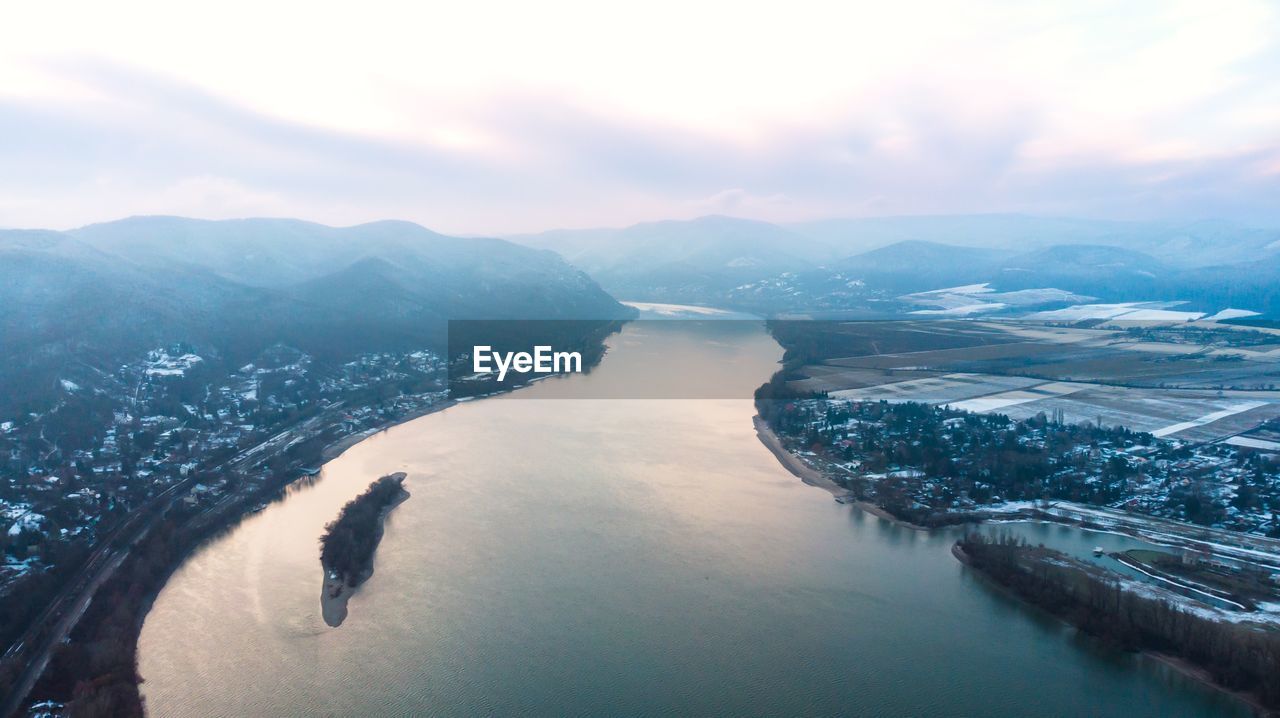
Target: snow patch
962,310
1231,314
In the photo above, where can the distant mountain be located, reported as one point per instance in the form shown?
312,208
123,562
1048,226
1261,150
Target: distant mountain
692,261
1075,258
988,231
1247,285
259,252
1181,244
1098,270
863,264
108,292
916,265
1211,243
283,252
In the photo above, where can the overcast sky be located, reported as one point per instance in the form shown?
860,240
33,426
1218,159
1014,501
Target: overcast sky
518,116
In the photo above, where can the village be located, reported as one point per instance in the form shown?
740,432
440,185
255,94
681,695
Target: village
936,464
115,441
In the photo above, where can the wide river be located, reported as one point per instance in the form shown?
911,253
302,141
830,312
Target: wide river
575,556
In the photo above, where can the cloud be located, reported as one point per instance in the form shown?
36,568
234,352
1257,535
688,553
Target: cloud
974,136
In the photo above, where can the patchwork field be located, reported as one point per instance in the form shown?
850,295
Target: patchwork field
1201,386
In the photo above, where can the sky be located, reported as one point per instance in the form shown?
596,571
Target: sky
507,117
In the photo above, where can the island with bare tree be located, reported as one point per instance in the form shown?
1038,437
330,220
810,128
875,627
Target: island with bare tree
349,542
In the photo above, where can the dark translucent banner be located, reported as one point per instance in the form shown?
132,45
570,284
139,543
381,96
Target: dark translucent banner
639,359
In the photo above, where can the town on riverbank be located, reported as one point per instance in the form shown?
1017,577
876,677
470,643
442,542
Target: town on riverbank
917,447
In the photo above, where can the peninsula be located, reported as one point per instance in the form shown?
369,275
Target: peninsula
348,544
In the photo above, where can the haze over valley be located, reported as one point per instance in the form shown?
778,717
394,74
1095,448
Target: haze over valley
648,359
169,375
879,267
73,304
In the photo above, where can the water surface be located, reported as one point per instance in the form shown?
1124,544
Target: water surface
573,556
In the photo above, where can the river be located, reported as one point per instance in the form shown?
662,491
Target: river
563,555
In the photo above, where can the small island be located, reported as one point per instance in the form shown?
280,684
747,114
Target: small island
348,543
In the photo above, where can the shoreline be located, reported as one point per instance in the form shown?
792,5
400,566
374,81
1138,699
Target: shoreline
875,510
815,478
1202,676
792,463
1179,665
340,446
236,514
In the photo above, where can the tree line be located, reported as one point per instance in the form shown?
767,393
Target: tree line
1240,657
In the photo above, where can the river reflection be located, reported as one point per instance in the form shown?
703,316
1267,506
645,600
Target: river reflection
623,557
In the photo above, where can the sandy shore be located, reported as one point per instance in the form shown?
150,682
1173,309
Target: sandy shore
792,463
813,477
334,591
334,595
877,511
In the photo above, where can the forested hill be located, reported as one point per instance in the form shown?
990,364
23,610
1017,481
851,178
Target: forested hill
74,304
869,267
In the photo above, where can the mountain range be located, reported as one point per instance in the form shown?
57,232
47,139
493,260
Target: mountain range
683,261
868,265
104,293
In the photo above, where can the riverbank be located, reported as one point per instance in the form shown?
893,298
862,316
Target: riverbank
1202,676
814,477
1178,664
337,448
580,536
792,463
193,532
336,590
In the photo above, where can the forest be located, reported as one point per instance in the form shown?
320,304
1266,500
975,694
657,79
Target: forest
1240,657
348,543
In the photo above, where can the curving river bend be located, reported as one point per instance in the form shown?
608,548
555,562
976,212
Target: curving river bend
577,556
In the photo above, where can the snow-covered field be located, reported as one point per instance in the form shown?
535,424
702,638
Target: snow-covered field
962,310
1228,546
947,389
1208,418
1198,415
655,310
161,363
978,298
1231,314
1251,443
995,402
1126,311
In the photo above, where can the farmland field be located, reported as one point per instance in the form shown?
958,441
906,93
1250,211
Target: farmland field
1201,386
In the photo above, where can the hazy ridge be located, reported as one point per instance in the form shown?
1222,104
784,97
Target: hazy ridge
866,264
106,292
